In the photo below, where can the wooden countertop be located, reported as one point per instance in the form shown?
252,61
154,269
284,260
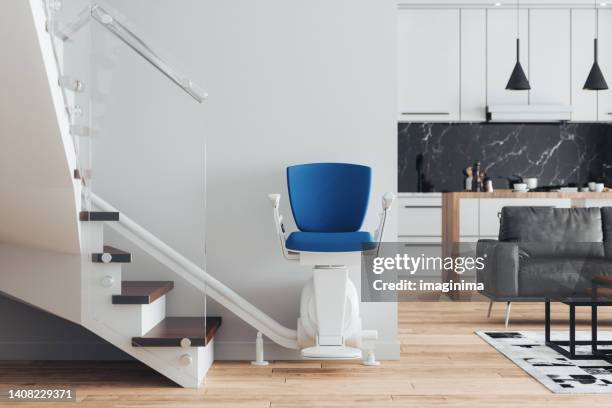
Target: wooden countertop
512,194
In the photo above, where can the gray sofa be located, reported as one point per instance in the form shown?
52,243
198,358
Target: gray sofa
546,253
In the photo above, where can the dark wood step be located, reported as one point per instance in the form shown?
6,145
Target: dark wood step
170,331
117,255
142,292
99,216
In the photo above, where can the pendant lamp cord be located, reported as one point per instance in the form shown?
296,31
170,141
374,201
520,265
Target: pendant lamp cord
596,19
596,30
518,16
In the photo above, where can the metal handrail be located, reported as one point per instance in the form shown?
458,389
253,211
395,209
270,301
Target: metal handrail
110,22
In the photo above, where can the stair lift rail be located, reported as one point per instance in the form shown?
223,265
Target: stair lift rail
199,278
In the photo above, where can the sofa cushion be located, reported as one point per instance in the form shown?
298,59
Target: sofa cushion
556,278
329,241
548,224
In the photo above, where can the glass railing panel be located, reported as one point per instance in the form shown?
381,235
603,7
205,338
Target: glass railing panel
133,127
137,44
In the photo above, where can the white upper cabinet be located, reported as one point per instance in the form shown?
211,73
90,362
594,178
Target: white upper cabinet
429,65
583,33
453,62
605,63
549,56
473,65
501,55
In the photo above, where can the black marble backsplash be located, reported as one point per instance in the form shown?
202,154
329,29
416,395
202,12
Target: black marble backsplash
555,153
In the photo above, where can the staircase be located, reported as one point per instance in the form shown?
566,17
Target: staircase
52,226
134,312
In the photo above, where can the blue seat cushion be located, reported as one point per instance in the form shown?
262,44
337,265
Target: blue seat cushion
328,241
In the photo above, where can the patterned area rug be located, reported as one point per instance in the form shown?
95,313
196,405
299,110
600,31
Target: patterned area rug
557,373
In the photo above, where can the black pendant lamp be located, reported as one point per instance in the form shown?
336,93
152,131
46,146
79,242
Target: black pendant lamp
518,80
595,81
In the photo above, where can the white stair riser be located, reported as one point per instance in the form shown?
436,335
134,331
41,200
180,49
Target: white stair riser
97,274
93,232
137,320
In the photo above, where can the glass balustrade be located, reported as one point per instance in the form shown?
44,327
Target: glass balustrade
136,122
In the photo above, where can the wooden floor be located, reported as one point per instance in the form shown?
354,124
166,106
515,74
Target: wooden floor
443,364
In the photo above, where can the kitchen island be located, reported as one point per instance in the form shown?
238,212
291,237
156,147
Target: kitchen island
468,216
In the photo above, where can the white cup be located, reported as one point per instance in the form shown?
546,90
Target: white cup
599,187
532,182
591,185
520,186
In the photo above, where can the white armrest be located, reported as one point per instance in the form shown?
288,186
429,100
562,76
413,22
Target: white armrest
280,228
387,201
275,199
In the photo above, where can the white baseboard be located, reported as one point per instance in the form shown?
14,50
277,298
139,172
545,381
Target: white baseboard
42,350
245,351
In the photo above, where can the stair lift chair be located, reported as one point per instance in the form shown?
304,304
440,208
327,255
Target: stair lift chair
329,202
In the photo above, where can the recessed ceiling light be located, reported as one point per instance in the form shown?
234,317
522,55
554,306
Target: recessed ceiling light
603,4
497,4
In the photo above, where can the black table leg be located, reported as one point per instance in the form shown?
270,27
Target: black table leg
594,329
547,321
572,333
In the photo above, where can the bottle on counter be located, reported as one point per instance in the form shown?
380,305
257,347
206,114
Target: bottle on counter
488,185
468,178
476,177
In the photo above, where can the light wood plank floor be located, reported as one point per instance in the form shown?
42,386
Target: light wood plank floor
443,364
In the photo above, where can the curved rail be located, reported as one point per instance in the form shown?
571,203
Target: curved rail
199,278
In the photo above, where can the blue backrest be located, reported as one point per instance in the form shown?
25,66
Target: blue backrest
329,197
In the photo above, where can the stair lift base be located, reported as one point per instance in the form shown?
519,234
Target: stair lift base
331,353
330,310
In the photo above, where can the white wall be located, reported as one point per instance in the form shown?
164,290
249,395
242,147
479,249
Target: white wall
290,82
37,194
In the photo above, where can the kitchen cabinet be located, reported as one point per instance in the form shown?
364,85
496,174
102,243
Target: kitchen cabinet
454,61
501,55
598,202
428,65
468,224
583,32
549,56
605,62
420,226
420,216
473,65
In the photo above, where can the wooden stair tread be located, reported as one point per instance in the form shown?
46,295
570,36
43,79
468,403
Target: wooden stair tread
99,216
118,255
142,292
170,331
